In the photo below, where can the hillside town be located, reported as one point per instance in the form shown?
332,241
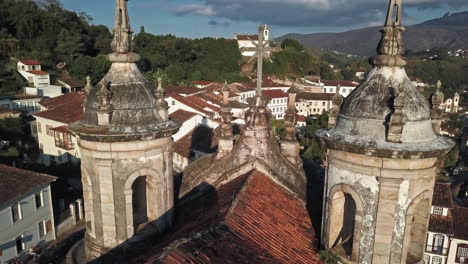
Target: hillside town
136,166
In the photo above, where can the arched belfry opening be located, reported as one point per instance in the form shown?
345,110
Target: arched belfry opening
344,222
418,221
139,202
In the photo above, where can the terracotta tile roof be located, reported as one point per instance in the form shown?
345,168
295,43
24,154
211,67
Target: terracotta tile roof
20,97
270,83
195,99
442,195
246,37
314,96
182,115
441,224
202,82
67,108
251,219
39,72
181,90
460,222
188,103
241,87
274,94
15,183
70,81
342,83
30,62
201,138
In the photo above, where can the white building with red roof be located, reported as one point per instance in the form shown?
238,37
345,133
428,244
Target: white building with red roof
246,42
38,80
278,102
55,141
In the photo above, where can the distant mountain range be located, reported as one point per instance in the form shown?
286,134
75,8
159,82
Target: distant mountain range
449,31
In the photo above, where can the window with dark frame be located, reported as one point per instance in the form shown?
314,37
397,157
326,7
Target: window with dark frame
462,253
19,244
16,212
42,229
38,200
438,210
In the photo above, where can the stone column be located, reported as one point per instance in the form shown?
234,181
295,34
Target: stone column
73,212
79,203
388,199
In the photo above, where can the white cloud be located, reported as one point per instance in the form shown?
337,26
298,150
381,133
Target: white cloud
323,13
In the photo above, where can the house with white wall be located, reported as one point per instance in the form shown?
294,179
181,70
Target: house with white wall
447,235
21,102
308,104
346,87
38,80
278,102
26,212
55,141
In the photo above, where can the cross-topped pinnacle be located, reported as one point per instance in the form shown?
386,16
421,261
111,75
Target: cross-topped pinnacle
122,42
391,47
394,11
261,52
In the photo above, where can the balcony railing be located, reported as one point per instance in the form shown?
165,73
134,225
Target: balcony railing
439,250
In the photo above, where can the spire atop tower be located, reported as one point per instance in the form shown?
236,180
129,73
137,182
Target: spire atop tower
123,35
391,47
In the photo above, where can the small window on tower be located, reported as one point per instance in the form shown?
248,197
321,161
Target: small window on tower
438,210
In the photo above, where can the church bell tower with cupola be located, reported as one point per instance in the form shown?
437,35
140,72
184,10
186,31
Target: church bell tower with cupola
126,145
381,162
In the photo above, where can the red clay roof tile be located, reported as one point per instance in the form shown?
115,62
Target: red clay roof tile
30,62
67,108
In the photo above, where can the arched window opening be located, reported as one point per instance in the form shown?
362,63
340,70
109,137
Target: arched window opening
342,224
418,224
139,202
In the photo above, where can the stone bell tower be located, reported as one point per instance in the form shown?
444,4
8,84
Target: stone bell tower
381,162
126,145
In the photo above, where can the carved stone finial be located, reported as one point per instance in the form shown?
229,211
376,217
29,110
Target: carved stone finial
397,123
437,100
123,36
122,42
337,100
391,47
159,92
290,148
88,86
226,141
105,108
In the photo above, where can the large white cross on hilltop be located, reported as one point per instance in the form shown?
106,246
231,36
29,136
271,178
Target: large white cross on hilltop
261,52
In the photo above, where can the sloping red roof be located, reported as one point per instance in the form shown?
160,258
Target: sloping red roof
460,222
247,37
70,81
182,115
274,94
301,118
67,108
184,90
251,219
195,99
442,195
441,224
39,72
202,82
17,182
315,96
30,62
269,83
342,83
188,103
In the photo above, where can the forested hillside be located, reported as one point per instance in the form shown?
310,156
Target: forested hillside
44,31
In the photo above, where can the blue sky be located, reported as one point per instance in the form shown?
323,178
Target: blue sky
223,18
